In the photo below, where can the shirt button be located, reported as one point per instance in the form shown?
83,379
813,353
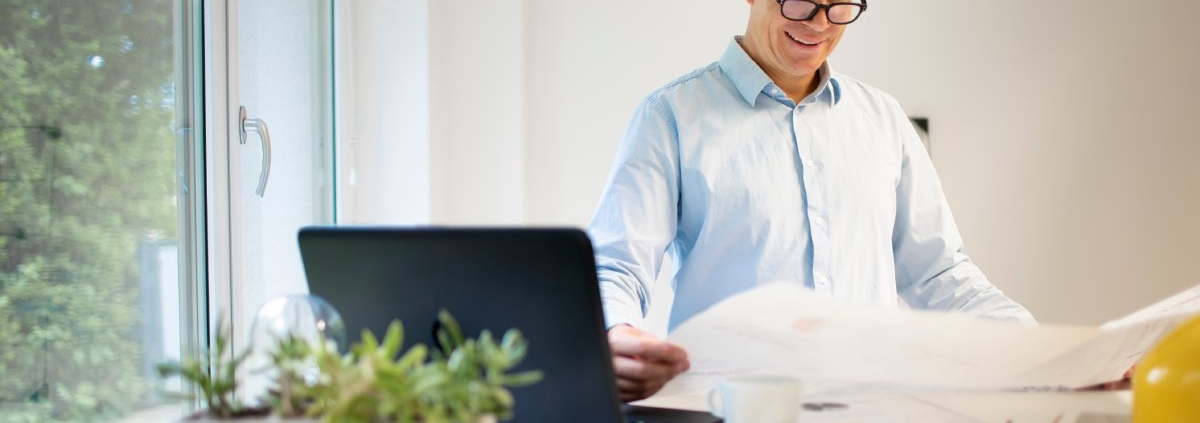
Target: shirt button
818,221
811,163
821,279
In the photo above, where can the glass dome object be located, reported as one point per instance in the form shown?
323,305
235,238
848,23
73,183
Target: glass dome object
306,318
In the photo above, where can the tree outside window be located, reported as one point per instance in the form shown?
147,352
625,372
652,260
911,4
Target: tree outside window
87,178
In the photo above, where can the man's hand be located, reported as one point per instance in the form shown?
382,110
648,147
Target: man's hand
643,362
1117,385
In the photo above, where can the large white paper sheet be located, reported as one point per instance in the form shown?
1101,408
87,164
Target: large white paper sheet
1185,303
947,407
786,329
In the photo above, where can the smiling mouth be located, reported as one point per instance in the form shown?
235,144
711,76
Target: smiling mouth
801,41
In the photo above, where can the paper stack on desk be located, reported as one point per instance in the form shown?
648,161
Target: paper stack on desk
787,329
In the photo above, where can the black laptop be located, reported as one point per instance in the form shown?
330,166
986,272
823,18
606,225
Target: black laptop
541,281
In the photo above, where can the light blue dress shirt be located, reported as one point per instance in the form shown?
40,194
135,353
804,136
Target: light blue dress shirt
742,187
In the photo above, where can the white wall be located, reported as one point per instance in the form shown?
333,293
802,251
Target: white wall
591,63
478,111
1064,131
1065,135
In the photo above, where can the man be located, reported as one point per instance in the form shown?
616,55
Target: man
768,167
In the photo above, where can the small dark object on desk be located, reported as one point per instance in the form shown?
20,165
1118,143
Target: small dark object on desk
639,414
824,406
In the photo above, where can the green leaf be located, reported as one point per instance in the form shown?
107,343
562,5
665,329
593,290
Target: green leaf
429,381
393,340
511,338
455,362
454,336
169,369
369,343
415,355
517,380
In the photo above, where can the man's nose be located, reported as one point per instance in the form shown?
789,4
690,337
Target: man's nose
819,21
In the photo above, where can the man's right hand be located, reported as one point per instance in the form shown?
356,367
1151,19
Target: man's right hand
643,362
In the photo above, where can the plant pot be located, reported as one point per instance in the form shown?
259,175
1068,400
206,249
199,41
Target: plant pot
258,417
203,417
253,419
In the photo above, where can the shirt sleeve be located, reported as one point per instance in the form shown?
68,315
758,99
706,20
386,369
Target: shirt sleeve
932,272
637,216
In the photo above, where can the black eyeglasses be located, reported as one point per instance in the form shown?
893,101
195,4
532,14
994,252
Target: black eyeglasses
836,13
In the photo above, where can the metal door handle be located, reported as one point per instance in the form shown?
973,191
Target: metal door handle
258,126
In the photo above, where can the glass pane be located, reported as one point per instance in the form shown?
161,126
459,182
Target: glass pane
92,214
284,77
798,9
843,13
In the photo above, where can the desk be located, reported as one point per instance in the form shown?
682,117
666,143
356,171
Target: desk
944,407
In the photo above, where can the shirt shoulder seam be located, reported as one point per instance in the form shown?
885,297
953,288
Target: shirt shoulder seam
686,78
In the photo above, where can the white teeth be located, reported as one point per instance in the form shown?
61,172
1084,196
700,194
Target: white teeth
802,41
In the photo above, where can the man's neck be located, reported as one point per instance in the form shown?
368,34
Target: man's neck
796,88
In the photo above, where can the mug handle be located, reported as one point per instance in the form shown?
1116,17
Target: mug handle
712,405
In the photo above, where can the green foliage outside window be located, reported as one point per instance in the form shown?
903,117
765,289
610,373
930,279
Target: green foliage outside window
87,172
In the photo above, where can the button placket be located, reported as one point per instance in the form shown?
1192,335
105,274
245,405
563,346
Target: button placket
816,205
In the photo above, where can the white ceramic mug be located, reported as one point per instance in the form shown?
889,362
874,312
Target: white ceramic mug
757,399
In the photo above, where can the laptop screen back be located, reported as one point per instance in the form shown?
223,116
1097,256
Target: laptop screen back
540,281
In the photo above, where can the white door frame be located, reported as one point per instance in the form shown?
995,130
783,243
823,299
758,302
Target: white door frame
224,195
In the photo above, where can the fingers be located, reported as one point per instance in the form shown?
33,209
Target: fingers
639,379
1115,385
1118,385
631,342
640,371
643,363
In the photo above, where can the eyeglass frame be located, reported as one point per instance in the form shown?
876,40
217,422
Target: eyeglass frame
818,7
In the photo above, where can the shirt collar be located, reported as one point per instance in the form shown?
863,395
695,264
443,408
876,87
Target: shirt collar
750,79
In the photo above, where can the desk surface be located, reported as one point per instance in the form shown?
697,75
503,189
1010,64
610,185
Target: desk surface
1039,407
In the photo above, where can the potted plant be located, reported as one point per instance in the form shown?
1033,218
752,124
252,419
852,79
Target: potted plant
460,380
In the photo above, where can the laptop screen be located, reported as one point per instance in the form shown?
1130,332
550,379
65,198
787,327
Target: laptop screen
540,281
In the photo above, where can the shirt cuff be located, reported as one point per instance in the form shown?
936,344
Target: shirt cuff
619,308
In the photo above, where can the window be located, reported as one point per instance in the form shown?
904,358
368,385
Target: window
101,201
129,217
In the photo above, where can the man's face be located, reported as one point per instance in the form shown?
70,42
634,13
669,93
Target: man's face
788,49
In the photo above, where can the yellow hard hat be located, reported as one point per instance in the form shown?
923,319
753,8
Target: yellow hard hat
1166,383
